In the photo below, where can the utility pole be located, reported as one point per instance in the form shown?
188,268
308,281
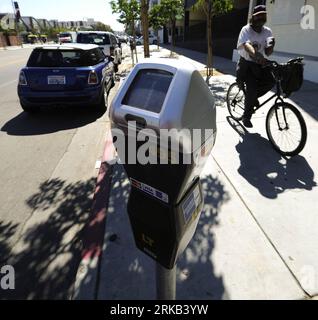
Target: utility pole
17,17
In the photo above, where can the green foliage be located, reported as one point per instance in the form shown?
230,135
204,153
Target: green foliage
171,10
128,10
103,27
215,7
53,32
156,20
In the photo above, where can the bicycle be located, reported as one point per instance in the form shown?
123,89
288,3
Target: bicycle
284,121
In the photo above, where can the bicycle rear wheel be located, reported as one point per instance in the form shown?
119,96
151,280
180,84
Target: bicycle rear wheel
286,129
235,100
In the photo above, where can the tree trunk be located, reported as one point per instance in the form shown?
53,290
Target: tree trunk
145,26
173,37
158,39
210,49
134,39
131,47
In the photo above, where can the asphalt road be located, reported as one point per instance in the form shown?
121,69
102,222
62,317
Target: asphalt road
47,175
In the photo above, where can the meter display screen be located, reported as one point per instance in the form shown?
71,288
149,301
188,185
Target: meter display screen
148,90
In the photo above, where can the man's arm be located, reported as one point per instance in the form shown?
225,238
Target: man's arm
249,49
256,56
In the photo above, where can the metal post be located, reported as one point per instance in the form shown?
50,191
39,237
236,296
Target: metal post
166,283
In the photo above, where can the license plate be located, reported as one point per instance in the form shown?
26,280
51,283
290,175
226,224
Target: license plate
56,79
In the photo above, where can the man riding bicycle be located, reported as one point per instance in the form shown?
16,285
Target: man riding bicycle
254,42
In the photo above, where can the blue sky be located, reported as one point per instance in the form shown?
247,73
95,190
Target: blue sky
66,10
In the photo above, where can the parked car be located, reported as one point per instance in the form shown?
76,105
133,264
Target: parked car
67,37
152,40
105,40
122,39
68,74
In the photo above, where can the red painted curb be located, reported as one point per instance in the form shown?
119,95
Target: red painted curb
94,232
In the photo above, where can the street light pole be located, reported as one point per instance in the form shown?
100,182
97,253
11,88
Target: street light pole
16,12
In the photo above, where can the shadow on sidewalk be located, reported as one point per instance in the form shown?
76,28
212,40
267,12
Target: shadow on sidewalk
50,120
47,254
219,87
197,279
127,273
7,231
306,98
267,170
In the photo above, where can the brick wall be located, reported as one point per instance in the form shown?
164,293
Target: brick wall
3,41
14,41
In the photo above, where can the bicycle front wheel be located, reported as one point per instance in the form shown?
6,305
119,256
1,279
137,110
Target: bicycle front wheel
235,100
286,129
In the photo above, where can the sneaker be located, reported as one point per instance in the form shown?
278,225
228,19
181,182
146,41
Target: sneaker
247,123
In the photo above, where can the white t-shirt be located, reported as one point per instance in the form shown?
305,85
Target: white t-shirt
257,40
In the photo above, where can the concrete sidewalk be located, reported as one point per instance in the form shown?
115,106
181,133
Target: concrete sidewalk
257,237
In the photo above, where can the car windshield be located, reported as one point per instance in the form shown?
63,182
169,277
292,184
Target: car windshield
93,38
65,58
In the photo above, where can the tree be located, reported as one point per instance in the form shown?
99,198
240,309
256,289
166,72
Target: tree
103,27
170,11
212,8
156,21
129,13
53,32
144,9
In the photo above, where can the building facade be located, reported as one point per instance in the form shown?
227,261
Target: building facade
31,24
44,24
192,33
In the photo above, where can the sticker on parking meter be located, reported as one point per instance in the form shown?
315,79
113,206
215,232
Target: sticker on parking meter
190,204
150,190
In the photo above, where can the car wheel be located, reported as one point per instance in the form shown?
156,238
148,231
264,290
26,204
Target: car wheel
103,104
28,108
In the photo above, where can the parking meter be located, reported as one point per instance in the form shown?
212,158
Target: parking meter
169,102
132,45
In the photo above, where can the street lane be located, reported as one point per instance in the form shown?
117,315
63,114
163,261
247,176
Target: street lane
11,61
47,170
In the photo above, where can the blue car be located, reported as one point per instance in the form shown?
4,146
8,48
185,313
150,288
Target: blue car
68,74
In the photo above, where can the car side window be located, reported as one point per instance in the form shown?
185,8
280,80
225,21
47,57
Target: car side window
114,41
100,54
103,56
95,56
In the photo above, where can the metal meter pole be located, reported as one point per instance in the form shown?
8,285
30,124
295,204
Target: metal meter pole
166,283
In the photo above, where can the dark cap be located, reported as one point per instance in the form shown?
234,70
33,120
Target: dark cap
259,10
